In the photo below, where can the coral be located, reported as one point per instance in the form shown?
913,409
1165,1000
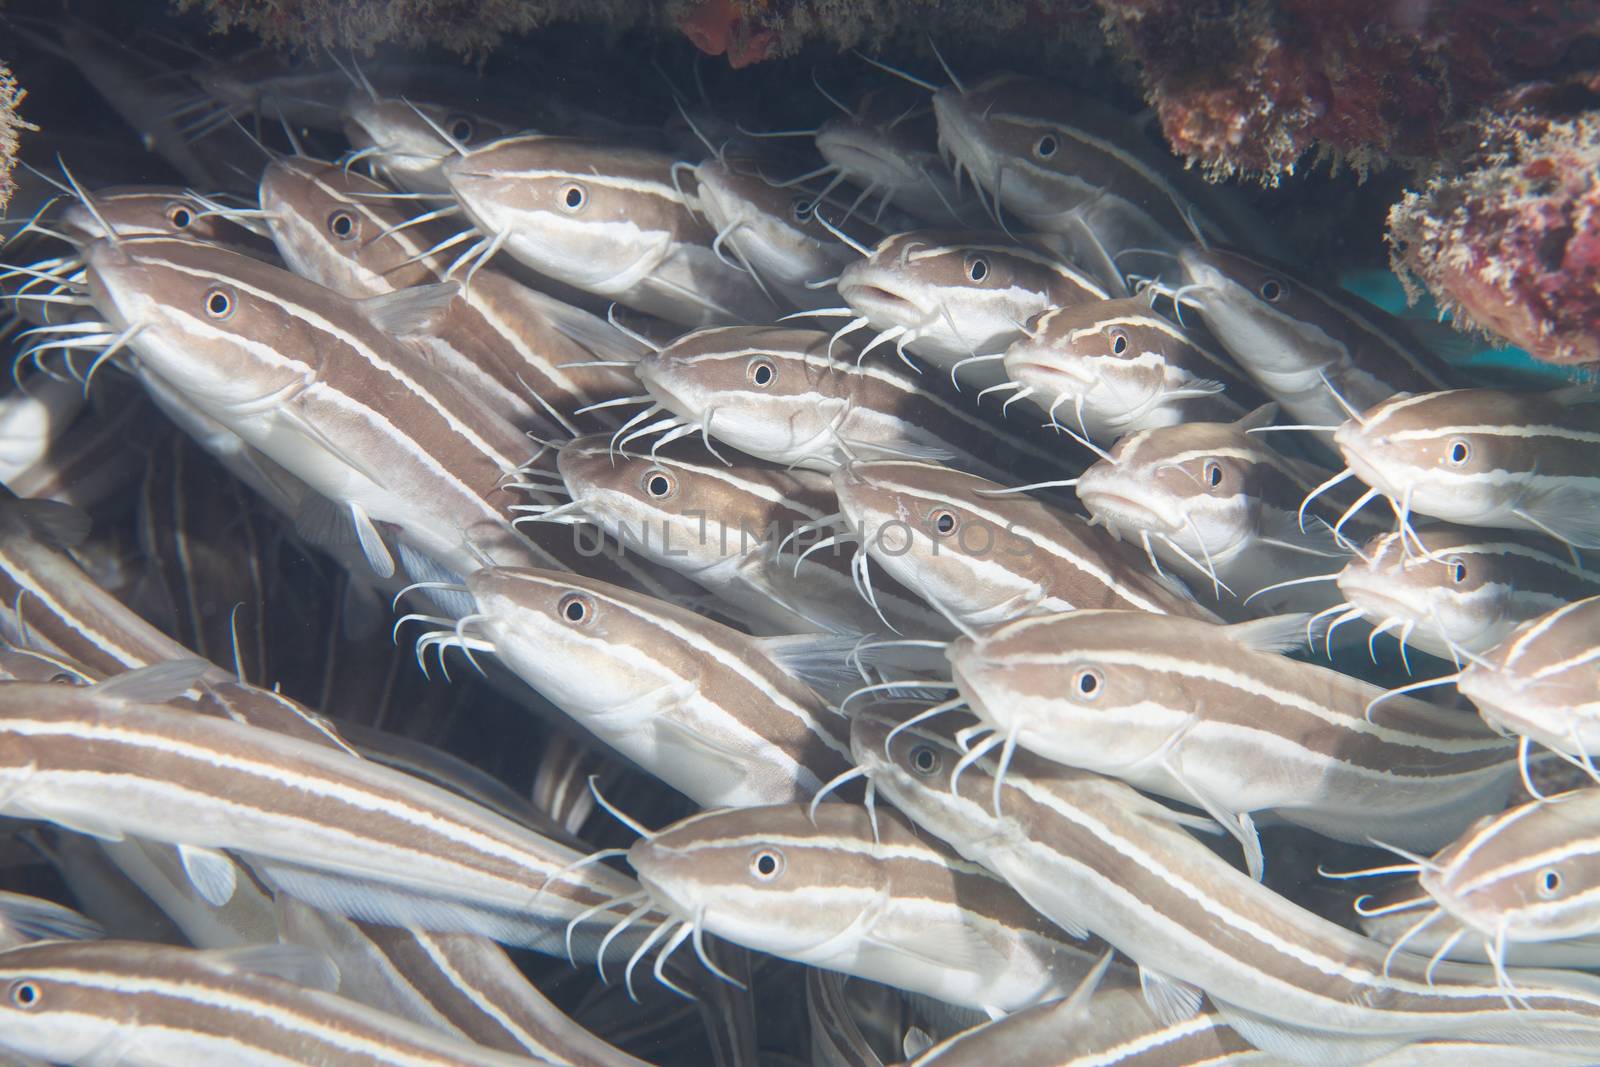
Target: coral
1253,85
1510,244
469,27
748,31
11,124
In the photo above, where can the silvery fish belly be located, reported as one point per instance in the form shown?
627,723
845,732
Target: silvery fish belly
750,537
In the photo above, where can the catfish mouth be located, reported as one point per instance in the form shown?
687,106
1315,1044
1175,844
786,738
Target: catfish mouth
1377,602
883,305
1071,378
661,898
1124,513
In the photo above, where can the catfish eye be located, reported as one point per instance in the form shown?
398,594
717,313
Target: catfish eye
1087,683
1458,570
573,197
1119,343
342,225
576,609
1272,290
461,128
1045,147
24,994
180,216
925,760
1549,883
1213,473
977,268
659,484
62,678
761,373
219,303
766,863
944,522
802,207
1459,452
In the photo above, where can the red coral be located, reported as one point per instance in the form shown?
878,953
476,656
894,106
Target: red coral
725,27
1512,244
1252,86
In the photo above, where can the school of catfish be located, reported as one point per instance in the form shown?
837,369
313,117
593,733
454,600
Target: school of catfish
934,571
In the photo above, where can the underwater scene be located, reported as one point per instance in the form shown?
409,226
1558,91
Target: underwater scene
799,533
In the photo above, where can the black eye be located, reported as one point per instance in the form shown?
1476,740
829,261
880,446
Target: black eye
576,608
801,208
1272,290
1459,452
219,303
461,129
573,197
766,864
179,216
944,522
1549,883
62,678
761,372
925,759
1045,147
1458,570
342,225
1119,343
1088,683
24,994
659,484
1213,472
977,268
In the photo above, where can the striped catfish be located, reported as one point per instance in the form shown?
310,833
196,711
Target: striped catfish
617,221
503,340
359,416
721,526
1116,1028
340,833
159,211
800,398
888,147
713,712
774,229
1458,592
362,418
1484,457
1543,682
1092,853
1398,909
1529,874
1214,715
983,556
1316,353
160,1006
132,211
1220,507
842,889
1064,163
1112,367
950,295
407,141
